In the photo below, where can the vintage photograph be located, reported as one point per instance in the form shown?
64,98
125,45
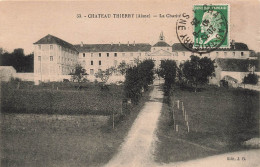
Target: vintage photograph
130,83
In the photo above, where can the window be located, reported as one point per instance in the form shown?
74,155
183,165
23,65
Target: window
183,53
99,54
99,62
84,55
123,54
51,47
234,53
91,71
39,58
99,70
115,54
91,63
176,53
115,63
216,53
225,53
39,47
51,58
123,61
107,54
131,54
242,53
140,54
91,54
84,61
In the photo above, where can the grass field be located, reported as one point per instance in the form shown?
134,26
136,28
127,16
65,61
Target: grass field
46,99
219,119
62,140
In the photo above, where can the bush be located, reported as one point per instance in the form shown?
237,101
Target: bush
251,79
15,80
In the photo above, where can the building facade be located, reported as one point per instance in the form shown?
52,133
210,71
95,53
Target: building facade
53,58
56,58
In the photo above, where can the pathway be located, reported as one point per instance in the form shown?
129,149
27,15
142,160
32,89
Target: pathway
137,150
139,145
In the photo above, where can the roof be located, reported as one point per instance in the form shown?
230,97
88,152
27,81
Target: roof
7,68
238,46
229,78
50,39
139,47
178,47
161,44
237,65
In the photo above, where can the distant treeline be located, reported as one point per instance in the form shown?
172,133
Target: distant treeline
17,59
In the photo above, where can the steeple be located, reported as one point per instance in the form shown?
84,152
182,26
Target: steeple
161,38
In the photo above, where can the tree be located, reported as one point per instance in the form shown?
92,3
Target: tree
78,74
146,73
137,79
168,72
104,75
197,70
17,59
250,79
122,67
132,85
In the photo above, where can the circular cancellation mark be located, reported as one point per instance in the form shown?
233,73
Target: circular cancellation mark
206,31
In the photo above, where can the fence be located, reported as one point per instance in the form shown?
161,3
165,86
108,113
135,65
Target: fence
118,116
179,116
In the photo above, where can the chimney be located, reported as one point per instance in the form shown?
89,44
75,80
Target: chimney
119,43
81,44
127,43
233,44
134,43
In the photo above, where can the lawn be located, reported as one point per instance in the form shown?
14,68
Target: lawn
220,120
47,99
63,140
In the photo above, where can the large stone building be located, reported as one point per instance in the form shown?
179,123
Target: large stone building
55,58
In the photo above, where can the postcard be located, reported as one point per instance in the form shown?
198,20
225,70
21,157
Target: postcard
130,83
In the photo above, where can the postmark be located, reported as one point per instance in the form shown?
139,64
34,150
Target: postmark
206,30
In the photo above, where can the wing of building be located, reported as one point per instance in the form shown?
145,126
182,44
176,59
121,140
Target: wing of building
53,58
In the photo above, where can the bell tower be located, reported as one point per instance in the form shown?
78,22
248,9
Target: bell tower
161,38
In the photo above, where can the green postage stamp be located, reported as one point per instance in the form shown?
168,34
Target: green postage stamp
211,26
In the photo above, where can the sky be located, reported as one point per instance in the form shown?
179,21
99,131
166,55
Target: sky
23,23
